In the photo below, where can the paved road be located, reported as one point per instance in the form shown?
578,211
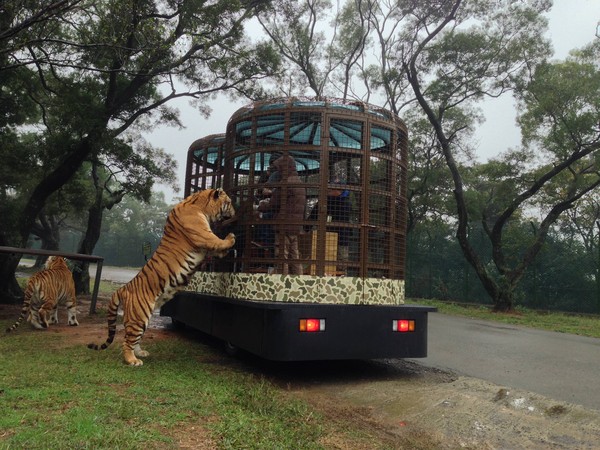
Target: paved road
116,274
560,366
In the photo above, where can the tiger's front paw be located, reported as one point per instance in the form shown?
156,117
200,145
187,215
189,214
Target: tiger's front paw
231,239
129,357
131,360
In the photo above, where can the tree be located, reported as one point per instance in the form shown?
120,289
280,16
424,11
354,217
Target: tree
429,183
103,67
321,45
20,21
130,224
451,55
118,173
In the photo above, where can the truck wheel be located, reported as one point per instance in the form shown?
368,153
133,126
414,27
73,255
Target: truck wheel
231,349
177,324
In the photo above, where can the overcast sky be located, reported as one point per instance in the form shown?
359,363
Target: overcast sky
572,25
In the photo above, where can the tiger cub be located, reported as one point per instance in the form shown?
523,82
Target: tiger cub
187,240
45,289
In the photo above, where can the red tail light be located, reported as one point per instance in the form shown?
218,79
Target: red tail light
403,325
312,325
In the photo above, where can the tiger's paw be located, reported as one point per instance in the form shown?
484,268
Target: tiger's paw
141,353
133,361
130,357
73,323
231,239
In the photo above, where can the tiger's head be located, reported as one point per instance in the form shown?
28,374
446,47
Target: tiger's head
215,203
56,262
37,317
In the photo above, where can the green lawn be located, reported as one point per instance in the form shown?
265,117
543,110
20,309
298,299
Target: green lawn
56,395
583,325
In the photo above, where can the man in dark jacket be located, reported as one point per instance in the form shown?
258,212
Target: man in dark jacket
288,202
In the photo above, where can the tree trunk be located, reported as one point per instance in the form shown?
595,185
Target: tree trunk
10,291
81,273
505,301
48,230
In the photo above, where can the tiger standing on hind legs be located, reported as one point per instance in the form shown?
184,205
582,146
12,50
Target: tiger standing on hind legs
186,241
45,290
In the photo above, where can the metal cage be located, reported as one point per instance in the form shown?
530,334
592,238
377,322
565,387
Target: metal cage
341,212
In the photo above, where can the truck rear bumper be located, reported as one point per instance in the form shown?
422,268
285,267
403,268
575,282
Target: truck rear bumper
271,330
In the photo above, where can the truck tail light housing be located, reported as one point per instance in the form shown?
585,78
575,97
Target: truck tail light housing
403,325
312,325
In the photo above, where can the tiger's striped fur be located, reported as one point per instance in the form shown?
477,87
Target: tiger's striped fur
186,241
45,289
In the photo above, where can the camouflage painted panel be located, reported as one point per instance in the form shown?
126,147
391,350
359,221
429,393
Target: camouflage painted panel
299,288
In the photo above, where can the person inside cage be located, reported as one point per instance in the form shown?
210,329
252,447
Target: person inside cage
287,204
339,209
265,235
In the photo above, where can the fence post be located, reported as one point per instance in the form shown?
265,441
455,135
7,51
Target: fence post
96,287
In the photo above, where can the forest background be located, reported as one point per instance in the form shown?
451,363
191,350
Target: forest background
83,83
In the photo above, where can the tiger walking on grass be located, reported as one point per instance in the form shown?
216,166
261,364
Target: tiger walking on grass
186,241
45,290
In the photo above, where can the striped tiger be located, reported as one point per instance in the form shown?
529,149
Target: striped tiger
45,289
186,241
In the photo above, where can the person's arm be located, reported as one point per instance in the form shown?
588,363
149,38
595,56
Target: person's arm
272,204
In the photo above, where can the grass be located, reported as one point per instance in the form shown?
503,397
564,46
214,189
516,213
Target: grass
583,325
56,395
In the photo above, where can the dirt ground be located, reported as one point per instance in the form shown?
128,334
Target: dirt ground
398,400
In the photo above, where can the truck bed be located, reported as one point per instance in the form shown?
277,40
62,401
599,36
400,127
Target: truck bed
275,331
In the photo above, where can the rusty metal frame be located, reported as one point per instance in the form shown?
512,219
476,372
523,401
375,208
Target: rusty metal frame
392,191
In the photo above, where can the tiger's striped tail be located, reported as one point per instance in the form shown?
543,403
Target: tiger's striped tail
113,307
26,307
14,326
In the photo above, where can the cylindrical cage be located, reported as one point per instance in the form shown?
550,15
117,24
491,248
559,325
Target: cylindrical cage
319,187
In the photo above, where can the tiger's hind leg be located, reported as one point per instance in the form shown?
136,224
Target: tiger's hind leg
131,345
54,314
71,312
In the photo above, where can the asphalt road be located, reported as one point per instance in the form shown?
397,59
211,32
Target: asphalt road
561,366
116,274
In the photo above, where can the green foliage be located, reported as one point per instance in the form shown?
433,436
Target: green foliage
91,77
561,278
552,321
127,226
447,57
561,105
